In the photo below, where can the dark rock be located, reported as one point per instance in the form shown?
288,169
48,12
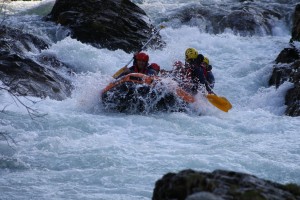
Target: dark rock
283,70
112,24
280,75
296,24
240,22
221,184
287,68
292,100
203,196
18,42
195,15
22,74
288,55
249,20
246,18
27,78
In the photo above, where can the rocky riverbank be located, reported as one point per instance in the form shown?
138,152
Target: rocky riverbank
123,25
221,185
287,68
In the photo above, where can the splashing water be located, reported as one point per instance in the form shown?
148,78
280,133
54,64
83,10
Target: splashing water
79,151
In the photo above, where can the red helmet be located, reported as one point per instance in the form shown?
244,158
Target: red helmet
155,66
142,56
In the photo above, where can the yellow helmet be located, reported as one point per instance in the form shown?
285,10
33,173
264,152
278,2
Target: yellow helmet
191,53
206,60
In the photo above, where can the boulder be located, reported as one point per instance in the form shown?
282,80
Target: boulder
245,19
19,42
221,184
287,68
27,76
286,65
296,24
112,24
249,20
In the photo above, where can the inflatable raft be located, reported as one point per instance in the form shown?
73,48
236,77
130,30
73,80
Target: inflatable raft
137,92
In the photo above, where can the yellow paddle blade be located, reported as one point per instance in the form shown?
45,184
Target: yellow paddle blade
220,102
120,71
162,26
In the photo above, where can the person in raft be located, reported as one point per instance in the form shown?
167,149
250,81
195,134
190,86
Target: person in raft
189,75
141,65
208,73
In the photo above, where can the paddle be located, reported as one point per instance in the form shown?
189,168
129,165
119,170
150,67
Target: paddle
124,69
220,102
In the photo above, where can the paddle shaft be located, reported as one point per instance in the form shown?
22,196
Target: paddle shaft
120,71
143,47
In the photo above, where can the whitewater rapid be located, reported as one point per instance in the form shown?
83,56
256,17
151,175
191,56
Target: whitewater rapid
79,151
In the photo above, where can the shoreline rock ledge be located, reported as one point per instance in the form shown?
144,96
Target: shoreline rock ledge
111,24
287,68
221,185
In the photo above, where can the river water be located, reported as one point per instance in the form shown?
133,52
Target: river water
80,151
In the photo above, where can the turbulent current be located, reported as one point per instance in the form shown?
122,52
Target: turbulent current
80,151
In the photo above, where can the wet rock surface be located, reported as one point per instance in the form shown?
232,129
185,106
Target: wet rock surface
246,18
287,68
113,24
26,76
221,184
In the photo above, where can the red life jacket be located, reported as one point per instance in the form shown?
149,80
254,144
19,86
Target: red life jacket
143,71
184,74
204,69
187,73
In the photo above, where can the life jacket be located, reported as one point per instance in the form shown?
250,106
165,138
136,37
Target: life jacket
186,78
183,73
189,76
135,69
208,75
204,69
187,73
